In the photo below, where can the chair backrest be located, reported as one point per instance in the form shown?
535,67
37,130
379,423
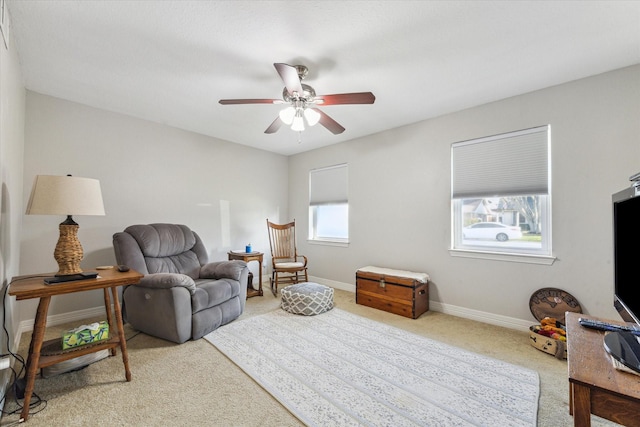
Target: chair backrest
160,248
282,240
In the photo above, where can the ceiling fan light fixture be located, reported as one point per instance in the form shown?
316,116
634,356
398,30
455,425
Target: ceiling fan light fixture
312,116
287,115
298,97
298,122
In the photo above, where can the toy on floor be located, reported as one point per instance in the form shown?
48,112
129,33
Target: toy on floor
548,306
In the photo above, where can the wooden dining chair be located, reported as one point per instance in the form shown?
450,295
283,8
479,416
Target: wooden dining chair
287,265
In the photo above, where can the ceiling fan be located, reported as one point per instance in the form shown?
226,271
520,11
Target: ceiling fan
302,100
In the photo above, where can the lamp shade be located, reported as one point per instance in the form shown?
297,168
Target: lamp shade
65,195
287,115
312,116
298,122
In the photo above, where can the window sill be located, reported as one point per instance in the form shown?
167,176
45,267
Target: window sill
338,243
501,256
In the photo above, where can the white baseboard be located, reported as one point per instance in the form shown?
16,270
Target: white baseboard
482,316
349,287
59,319
454,310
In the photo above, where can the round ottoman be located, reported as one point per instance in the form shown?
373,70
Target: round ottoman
307,298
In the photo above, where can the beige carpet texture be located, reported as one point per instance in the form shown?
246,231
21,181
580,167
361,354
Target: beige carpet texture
193,384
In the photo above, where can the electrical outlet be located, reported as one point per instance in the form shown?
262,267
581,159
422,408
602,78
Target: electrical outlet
5,363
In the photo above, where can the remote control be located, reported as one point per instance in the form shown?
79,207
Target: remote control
603,326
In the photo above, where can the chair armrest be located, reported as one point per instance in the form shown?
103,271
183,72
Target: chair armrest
128,252
305,259
223,270
167,281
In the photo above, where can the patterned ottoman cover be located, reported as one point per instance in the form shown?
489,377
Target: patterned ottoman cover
307,298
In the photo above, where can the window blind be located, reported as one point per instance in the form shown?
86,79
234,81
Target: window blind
328,185
515,163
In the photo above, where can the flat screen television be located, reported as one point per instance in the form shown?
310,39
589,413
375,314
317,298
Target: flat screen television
626,257
624,347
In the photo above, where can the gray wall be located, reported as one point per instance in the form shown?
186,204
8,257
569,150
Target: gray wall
148,173
12,98
399,199
398,192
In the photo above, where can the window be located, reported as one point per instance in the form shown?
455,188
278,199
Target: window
501,197
329,204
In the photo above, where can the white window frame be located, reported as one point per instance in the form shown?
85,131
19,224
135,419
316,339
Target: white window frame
475,177
328,186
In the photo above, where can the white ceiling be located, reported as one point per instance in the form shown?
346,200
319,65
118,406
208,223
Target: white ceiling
171,61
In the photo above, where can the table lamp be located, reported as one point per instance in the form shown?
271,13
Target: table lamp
66,195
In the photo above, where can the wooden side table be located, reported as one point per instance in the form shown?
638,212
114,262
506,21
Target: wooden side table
247,257
27,287
595,386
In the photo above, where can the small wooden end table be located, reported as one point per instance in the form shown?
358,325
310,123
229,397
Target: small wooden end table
247,257
595,386
27,287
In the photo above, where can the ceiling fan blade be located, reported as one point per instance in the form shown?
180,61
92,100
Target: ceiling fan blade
346,98
289,76
326,121
249,101
273,127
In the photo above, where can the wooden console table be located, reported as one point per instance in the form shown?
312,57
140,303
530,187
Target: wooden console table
247,257
27,287
595,386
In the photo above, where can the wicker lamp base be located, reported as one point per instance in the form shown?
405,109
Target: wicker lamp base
68,252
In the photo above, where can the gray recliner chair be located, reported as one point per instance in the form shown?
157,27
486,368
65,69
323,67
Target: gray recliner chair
181,295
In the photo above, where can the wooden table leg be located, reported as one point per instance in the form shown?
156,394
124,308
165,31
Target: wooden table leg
107,308
570,398
581,399
35,346
260,276
120,327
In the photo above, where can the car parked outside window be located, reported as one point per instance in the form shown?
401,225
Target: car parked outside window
491,230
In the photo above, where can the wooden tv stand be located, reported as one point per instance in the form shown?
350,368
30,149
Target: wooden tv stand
595,386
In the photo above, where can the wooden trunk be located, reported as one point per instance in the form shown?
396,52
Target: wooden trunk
399,295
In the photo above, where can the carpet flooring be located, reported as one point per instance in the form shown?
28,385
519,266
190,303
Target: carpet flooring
342,369
194,384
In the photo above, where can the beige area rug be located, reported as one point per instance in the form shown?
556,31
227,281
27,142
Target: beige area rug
341,369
